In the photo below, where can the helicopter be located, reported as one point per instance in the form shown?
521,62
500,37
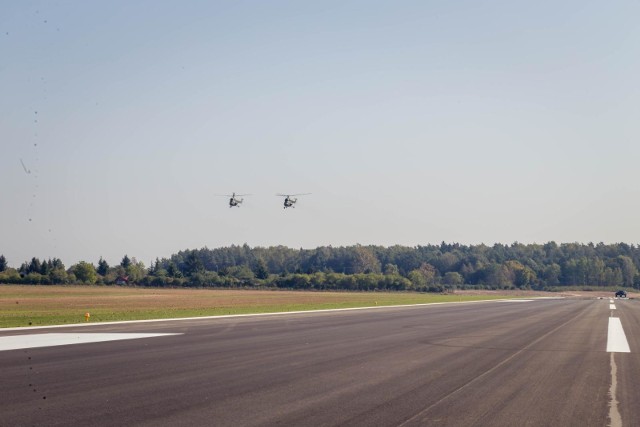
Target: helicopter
234,201
289,201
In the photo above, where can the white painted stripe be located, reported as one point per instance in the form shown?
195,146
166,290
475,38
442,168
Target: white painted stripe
519,300
616,339
615,420
279,313
50,340
612,307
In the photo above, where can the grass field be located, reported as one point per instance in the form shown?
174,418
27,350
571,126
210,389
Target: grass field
56,305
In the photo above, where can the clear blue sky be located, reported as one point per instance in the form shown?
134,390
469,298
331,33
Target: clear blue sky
411,122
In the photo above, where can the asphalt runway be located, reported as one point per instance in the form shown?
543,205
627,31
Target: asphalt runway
529,363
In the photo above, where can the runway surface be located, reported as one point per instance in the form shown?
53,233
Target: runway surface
529,363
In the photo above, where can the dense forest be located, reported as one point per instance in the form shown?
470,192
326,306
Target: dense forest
431,268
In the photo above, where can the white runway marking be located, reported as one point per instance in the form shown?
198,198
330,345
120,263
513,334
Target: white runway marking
614,414
518,300
50,340
616,339
612,307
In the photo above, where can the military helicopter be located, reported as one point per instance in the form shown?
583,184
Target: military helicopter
234,201
289,201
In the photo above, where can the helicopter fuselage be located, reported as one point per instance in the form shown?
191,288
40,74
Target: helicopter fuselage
289,202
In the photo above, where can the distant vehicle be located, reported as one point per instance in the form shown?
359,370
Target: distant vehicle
289,201
234,200
621,294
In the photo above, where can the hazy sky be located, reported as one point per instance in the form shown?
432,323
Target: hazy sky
411,122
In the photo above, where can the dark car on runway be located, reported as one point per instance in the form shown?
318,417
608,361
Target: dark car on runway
621,294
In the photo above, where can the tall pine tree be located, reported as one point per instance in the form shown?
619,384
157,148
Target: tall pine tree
126,262
103,267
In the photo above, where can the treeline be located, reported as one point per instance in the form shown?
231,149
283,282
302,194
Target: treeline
420,268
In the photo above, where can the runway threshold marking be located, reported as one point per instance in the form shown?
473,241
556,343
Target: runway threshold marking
18,342
616,339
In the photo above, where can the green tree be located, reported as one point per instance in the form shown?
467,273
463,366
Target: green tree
447,262
318,280
627,268
157,270
417,279
35,278
525,278
242,272
9,275
3,263
34,266
45,267
496,275
136,271
391,269
115,273
103,267
364,261
613,276
192,264
551,274
453,278
261,271
518,274
58,276
85,272
172,270
126,262
429,273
